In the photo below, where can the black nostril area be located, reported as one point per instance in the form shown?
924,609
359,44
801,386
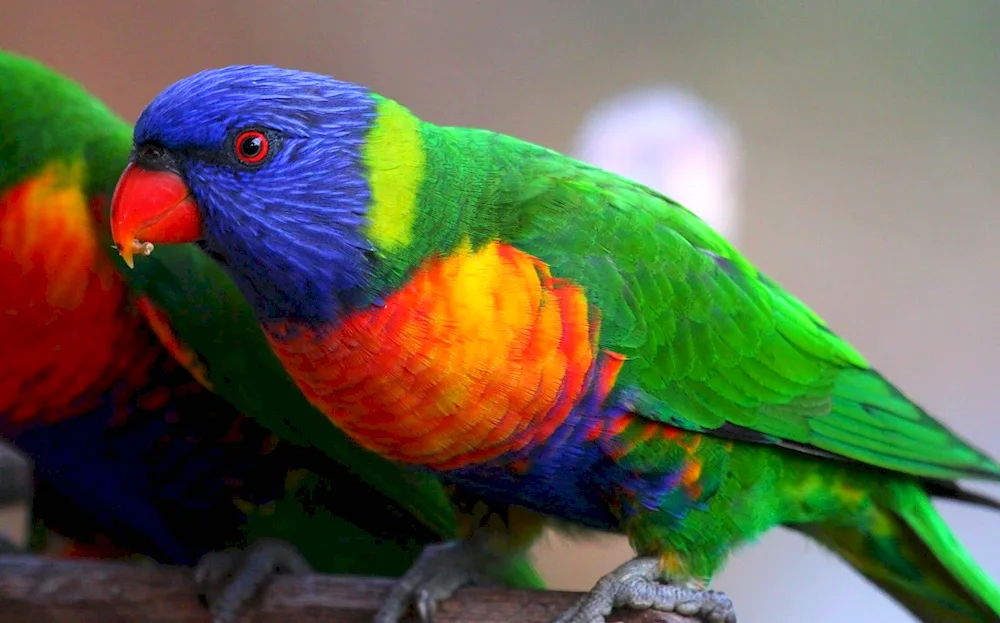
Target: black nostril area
154,158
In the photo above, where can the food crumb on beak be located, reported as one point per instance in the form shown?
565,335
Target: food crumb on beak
142,247
135,247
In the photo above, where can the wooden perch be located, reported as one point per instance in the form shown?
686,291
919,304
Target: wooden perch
44,590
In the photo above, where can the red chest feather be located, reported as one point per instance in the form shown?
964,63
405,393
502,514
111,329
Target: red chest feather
63,317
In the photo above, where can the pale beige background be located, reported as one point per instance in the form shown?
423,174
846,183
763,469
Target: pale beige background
872,176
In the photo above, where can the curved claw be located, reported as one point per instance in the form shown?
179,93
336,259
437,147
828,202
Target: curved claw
440,570
242,573
636,585
426,606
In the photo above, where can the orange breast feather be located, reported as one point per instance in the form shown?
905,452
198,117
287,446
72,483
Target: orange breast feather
481,353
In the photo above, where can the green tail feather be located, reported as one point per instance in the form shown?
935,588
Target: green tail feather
904,546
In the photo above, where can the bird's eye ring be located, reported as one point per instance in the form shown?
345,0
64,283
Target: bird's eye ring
251,147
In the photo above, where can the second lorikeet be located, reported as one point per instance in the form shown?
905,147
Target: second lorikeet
132,453
670,139
550,335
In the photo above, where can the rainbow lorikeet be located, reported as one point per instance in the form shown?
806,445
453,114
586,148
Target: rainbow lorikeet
132,453
551,336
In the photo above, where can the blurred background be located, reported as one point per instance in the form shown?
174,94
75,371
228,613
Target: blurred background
857,143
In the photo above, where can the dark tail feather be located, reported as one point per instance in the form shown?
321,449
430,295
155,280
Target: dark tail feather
951,491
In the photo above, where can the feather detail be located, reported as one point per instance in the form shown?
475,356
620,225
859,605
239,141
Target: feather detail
159,322
420,381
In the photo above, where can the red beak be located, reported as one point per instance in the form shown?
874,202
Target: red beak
152,206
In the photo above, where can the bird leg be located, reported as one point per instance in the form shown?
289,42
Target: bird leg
234,576
16,484
636,584
438,572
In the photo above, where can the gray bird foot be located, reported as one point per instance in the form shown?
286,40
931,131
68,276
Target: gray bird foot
233,576
440,570
16,481
636,585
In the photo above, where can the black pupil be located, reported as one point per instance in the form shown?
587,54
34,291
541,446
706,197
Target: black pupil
251,146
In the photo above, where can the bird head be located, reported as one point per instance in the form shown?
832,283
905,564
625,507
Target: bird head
263,168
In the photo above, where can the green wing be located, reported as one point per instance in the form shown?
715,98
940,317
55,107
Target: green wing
210,315
713,344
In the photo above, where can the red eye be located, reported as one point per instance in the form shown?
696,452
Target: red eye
251,147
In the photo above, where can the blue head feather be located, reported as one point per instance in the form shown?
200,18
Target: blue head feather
289,230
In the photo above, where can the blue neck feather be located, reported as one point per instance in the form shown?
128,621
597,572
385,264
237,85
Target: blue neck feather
288,232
